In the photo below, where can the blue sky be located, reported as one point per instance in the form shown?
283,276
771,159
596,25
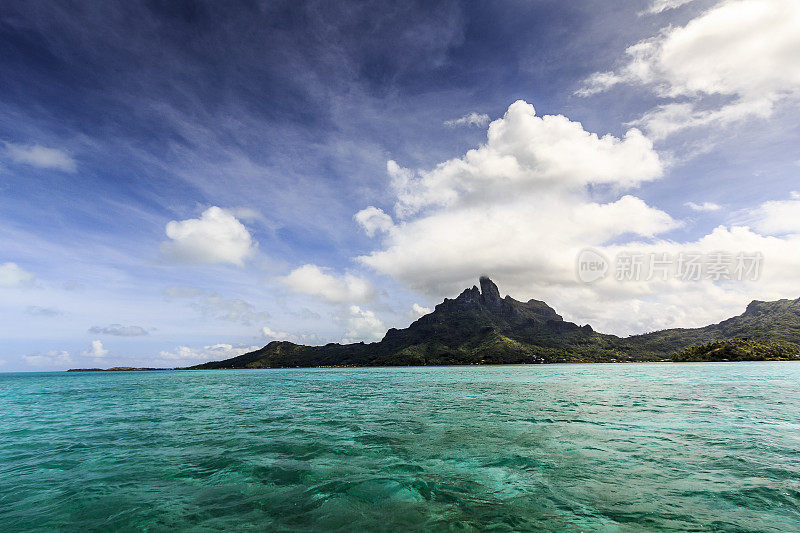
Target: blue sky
182,181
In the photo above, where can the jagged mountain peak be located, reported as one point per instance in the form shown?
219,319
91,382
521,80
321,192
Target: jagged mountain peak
487,299
490,294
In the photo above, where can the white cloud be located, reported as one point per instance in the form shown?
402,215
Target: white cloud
374,220
185,355
271,335
118,330
12,275
659,6
216,237
41,157
182,353
470,119
304,338
95,350
667,119
517,205
776,217
747,51
362,325
418,311
313,280
51,359
705,206
525,152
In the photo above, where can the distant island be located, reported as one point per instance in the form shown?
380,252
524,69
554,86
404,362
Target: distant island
115,369
481,328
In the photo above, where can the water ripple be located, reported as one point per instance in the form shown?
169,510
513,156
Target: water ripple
612,448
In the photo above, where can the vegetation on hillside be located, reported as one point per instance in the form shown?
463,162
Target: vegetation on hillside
740,350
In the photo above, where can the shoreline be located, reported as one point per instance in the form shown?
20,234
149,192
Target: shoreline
663,361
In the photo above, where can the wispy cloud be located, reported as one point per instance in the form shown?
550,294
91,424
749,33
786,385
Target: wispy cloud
35,310
50,359
118,330
742,53
214,305
470,119
41,157
704,206
659,6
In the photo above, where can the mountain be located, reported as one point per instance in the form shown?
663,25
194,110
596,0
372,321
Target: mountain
480,327
763,321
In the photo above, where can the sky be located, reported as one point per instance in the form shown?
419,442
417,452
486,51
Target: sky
186,181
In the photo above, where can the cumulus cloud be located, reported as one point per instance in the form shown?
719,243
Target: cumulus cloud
746,52
470,119
272,335
118,330
95,350
705,206
517,205
374,220
332,288
54,359
185,355
12,275
418,311
523,153
40,157
216,237
362,325
304,338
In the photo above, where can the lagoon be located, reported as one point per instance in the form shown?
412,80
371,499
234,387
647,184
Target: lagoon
596,447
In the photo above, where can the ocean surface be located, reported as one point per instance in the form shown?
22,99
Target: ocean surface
629,447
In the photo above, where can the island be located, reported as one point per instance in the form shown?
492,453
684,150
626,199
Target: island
480,327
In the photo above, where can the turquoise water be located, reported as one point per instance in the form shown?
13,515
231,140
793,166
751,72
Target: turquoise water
691,447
